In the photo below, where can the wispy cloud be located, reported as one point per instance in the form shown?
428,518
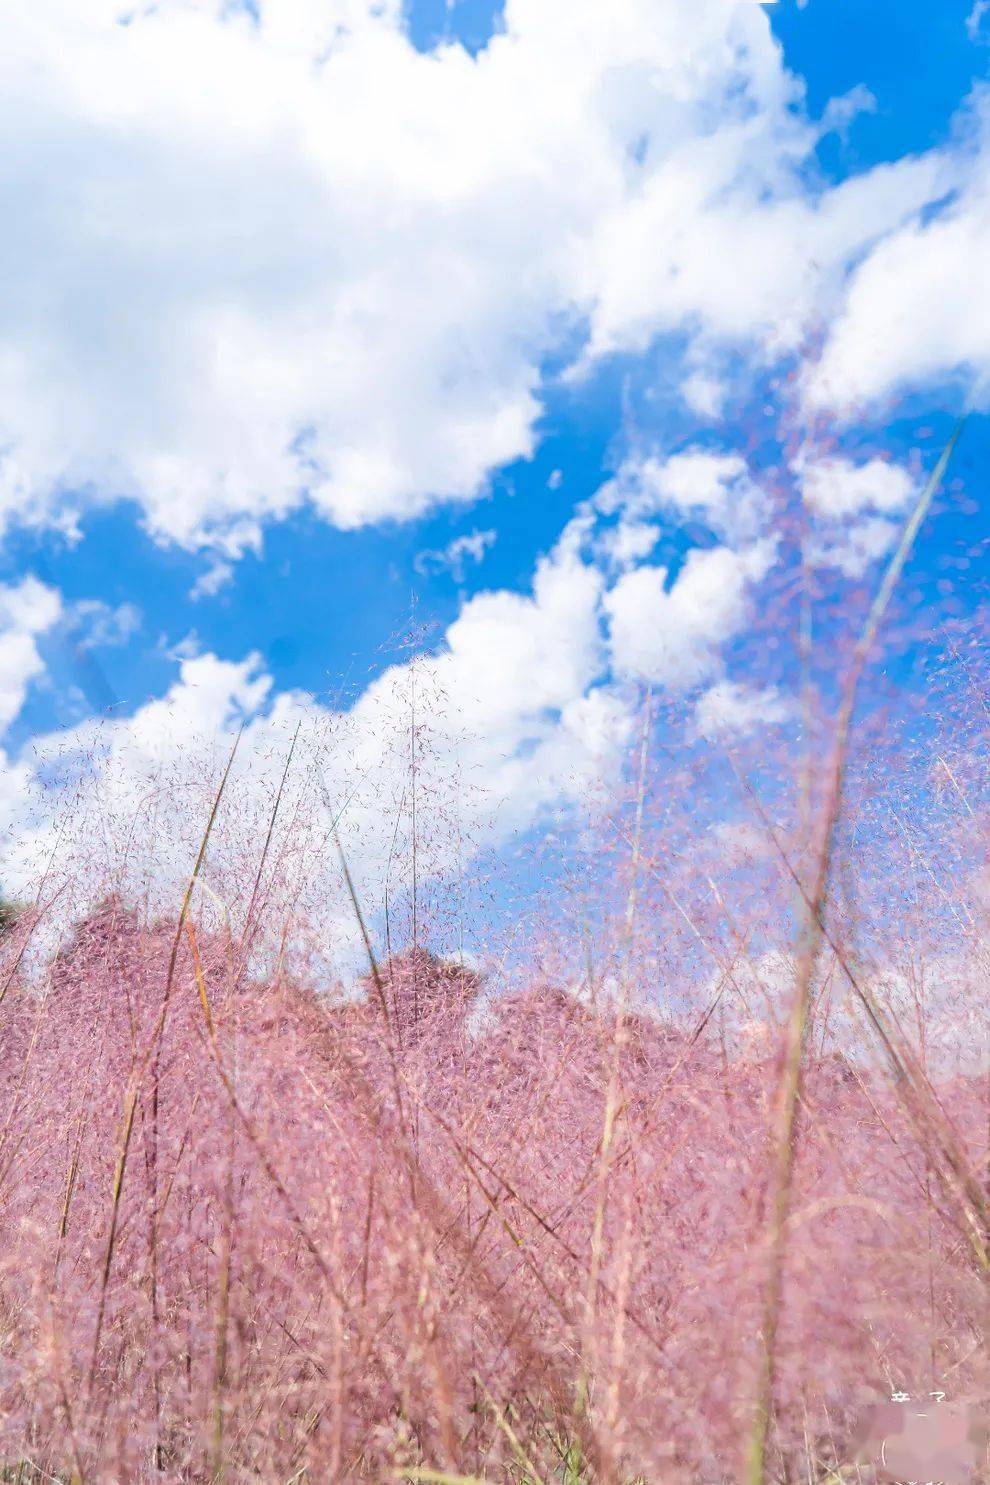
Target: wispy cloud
96,625
212,580
974,21
455,556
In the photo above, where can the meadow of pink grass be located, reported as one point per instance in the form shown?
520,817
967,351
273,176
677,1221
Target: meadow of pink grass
384,1236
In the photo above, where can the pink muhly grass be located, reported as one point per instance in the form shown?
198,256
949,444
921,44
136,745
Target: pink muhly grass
339,1297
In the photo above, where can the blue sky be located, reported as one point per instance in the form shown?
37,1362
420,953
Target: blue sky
348,322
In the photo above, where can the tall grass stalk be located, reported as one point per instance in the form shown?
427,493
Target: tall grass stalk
783,1126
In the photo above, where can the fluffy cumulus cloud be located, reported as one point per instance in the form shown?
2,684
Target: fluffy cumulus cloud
510,720
836,487
629,541
915,312
27,610
670,632
519,715
255,255
699,484
663,627
854,506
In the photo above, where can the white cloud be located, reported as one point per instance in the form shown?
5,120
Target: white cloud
27,610
29,606
704,394
511,656
671,634
974,21
470,547
252,261
659,261
96,625
520,715
841,111
511,718
697,480
713,487
837,487
629,542
729,708
853,505
212,580
520,708
852,549
915,311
